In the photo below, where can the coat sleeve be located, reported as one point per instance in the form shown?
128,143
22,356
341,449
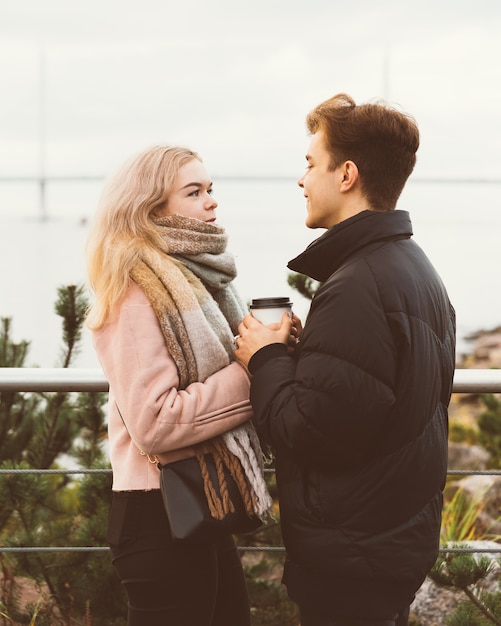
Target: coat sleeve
144,382
329,406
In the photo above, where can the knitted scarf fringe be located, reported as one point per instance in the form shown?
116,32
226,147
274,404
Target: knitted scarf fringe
244,444
239,451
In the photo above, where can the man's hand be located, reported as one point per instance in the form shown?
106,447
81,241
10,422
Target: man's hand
254,335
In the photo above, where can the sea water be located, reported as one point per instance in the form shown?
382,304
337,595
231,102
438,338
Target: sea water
458,224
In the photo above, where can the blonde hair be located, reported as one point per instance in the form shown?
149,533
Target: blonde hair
122,226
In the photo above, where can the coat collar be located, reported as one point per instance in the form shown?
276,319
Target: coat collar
324,255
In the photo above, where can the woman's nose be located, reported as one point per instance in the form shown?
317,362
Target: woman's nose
211,203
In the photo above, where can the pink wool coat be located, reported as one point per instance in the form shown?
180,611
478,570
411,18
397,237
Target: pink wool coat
159,419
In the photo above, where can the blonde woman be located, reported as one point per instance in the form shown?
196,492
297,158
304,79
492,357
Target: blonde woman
163,320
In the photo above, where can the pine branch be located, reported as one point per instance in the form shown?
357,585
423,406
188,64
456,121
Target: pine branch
11,354
480,606
71,305
305,285
464,572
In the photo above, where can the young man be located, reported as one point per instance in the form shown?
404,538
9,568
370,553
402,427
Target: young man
357,416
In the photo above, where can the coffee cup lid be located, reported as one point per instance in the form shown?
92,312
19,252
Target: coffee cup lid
270,303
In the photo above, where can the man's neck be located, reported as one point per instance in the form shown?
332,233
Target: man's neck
354,204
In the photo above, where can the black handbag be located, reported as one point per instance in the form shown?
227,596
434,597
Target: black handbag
185,501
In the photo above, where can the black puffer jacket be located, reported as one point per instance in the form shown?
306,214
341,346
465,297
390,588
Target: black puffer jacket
358,421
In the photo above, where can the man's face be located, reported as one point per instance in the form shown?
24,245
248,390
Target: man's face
321,186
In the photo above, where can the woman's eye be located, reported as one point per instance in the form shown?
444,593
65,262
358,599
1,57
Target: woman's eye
210,191
194,193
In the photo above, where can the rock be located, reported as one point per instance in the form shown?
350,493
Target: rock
463,456
485,351
433,604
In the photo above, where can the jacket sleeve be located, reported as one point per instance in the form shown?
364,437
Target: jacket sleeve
144,382
328,407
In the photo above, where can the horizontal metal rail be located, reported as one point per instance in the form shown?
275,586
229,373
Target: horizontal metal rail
75,379
52,379
79,379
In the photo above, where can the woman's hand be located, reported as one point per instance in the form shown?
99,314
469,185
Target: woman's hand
295,334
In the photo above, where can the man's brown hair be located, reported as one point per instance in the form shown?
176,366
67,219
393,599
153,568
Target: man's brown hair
380,140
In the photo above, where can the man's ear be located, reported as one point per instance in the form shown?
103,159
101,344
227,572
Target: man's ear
349,175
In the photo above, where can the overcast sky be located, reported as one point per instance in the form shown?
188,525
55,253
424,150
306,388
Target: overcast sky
102,79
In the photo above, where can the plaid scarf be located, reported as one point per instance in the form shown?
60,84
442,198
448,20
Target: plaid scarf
190,289
191,292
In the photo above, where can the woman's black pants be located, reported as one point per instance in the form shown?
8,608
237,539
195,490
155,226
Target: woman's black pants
172,584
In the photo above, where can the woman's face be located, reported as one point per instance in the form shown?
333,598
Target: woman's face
191,194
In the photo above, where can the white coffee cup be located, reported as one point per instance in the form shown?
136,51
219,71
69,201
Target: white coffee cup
270,310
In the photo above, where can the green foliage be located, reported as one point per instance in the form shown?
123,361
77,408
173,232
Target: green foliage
11,354
489,424
71,306
461,521
18,412
468,614
305,285
465,572
36,430
460,570
460,518
459,433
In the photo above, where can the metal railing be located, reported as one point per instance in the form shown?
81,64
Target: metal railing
78,379
75,379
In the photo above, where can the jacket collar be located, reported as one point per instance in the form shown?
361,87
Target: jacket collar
324,255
